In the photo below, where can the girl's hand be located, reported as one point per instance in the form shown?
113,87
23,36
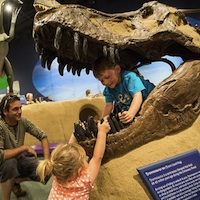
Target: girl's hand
104,127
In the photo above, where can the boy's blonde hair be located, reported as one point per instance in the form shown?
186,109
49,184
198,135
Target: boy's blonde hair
102,64
65,160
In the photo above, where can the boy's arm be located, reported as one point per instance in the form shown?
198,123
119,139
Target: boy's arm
99,150
107,109
127,116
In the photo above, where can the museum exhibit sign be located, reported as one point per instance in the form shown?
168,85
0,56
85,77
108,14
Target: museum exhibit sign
177,177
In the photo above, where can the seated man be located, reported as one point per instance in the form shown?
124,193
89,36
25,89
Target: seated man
14,165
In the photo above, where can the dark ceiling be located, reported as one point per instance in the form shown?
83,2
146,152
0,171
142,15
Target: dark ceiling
25,19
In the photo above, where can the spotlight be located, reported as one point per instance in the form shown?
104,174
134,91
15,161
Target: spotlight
8,7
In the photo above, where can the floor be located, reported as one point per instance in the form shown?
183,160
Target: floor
35,191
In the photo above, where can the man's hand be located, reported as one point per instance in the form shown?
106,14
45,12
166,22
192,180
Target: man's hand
30,151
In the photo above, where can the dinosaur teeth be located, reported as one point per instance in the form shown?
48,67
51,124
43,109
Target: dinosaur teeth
79,68
112,52
61,67
62,63
76,45
105,51
49,61
42,61
38,48
87,70
73,70
42,33
79,71
58,37
85,46
39,7
117,54
69,66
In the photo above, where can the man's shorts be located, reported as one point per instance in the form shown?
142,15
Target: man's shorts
22,167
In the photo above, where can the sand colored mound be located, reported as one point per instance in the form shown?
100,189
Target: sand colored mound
57,118
119,179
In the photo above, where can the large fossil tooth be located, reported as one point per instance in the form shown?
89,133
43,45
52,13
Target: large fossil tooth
117,54
45,56
85,46
112,54
49,61
74,70
105,50
92,125
46,32
42,33
115,122
61,68
79,68
38,48
76,45
79,132
87,70
69,66
58,37
42,60
112,126
62,62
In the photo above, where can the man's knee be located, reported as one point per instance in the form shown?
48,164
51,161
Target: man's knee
8,170
9,164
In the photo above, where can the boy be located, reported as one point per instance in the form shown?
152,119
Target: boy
124,88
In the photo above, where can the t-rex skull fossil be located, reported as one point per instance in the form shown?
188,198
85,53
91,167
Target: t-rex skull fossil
77,36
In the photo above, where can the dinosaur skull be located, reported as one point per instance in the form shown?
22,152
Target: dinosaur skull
77,36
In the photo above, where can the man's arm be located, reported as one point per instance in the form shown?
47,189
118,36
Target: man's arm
12,153
45,147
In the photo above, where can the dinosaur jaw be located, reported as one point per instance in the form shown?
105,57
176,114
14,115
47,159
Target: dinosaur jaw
171,107
131,38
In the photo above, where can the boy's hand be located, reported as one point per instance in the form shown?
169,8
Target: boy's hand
125,117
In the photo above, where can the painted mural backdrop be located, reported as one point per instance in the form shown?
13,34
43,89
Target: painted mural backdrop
68,87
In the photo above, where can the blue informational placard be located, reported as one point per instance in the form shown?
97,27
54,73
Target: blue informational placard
175,178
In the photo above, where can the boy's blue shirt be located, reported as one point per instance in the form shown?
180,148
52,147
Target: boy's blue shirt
130,84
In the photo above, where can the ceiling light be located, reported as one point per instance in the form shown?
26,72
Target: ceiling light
8,7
